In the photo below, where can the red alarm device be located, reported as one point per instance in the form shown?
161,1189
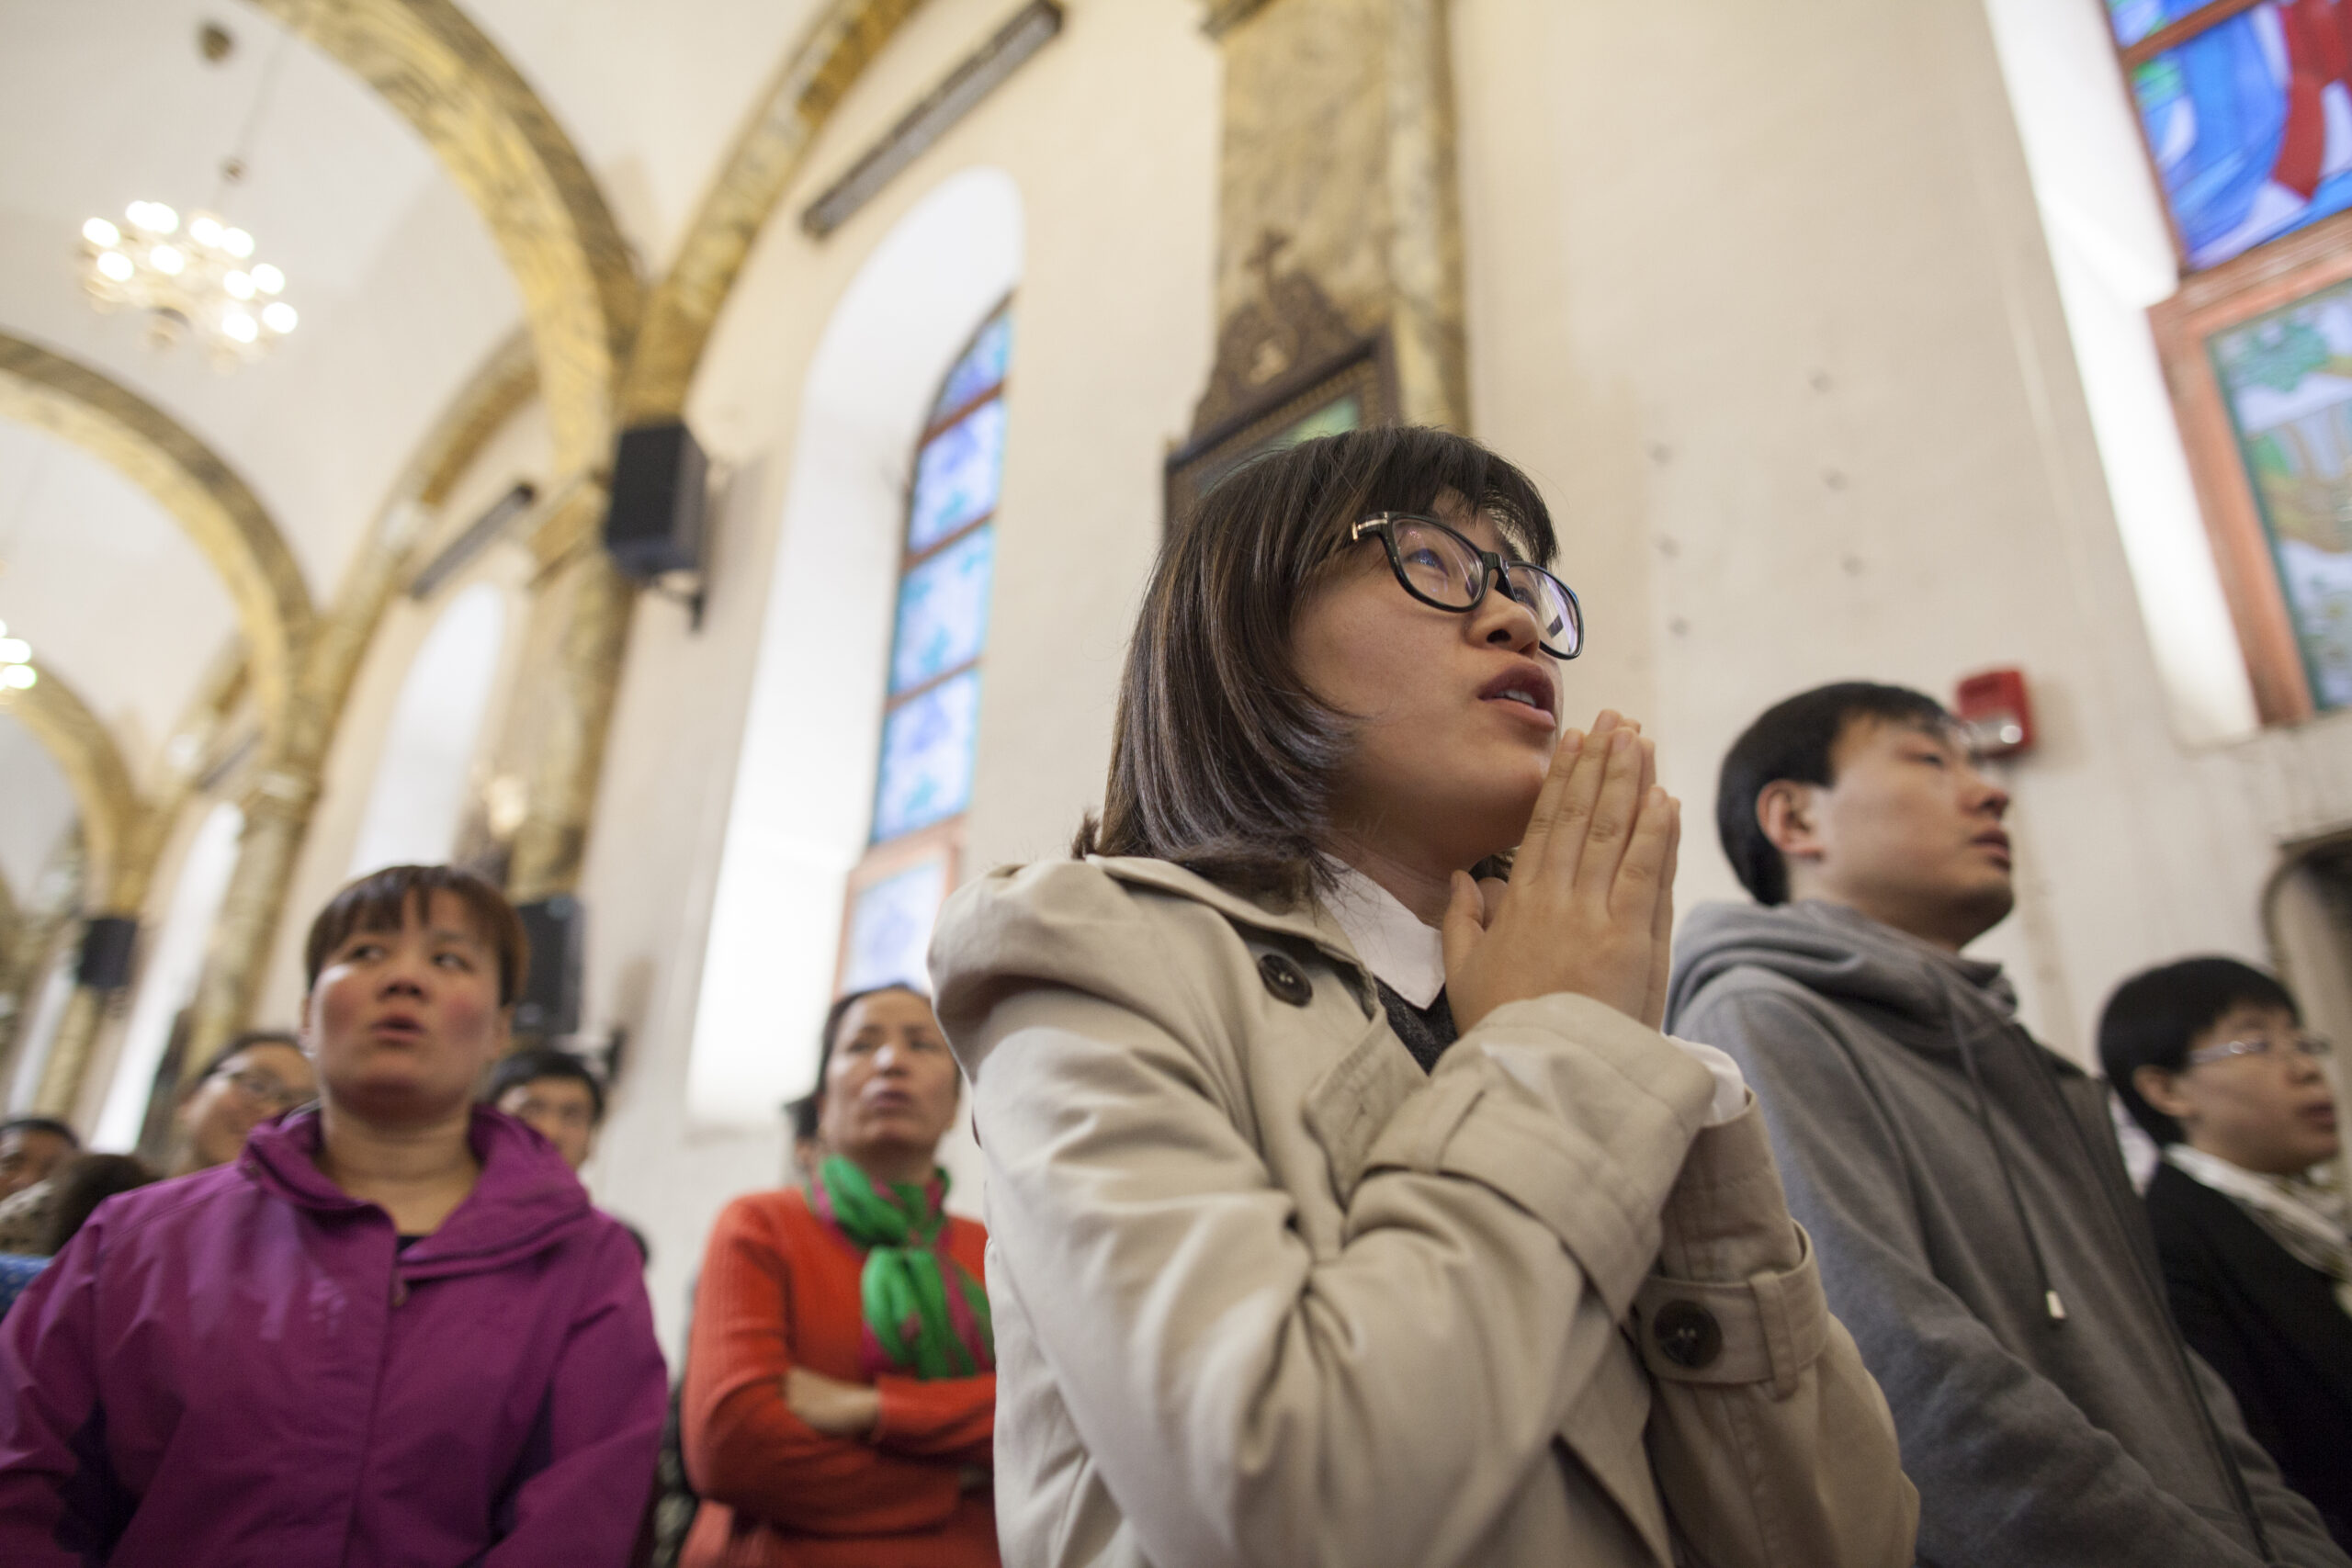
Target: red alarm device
1997,714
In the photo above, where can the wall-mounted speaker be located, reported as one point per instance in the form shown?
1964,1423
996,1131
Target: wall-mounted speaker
108,943
654,528
557,928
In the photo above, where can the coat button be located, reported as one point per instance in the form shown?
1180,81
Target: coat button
1687,1335
1282,978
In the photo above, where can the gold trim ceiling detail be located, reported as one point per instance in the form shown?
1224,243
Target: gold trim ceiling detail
114,815
221,513
505,151
767,155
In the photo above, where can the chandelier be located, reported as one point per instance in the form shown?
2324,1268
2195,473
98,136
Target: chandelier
199,282
16,673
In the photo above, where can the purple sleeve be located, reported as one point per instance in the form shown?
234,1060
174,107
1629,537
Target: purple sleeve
58,1501
600,1430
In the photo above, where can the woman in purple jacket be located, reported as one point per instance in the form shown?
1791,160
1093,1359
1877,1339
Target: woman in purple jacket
393,1332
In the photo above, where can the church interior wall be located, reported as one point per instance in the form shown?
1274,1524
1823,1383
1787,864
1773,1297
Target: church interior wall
1110,341
1781,319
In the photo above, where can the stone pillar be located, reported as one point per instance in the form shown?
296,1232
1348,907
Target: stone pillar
69,1054
278,814
1338,172
569,714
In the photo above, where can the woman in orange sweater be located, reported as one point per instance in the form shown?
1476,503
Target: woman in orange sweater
841,1385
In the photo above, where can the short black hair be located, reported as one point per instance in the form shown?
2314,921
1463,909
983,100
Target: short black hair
807,1110
81,1184
1792,741
382,901
536,1062
49,1124
2152,1017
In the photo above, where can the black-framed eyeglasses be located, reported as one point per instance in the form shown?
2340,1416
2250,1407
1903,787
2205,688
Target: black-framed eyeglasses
2313,1046
1446,572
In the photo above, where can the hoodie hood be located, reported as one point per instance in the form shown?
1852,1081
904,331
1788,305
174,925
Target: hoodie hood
526,1200
1844,956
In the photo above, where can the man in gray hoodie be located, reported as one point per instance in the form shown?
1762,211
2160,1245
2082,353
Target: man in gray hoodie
1960,1183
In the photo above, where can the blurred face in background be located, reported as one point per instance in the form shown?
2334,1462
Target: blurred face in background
2267,1111
29,1154
889,1088
247,1088
560,1110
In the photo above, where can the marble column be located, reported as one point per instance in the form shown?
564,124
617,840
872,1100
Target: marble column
590,604
277,816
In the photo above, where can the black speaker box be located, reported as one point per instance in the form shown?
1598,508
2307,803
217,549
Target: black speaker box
654,528
108,942
550,1004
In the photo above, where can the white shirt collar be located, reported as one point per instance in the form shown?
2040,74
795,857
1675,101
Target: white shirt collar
1405,956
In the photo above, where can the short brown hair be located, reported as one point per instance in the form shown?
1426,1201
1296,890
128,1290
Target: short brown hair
1222,761
380,901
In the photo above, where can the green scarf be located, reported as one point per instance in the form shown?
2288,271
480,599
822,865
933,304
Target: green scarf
915,1322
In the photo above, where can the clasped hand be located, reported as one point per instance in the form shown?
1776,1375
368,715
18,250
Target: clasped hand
1590,904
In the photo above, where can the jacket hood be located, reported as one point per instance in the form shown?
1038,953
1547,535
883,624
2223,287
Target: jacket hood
526,1200
1842,955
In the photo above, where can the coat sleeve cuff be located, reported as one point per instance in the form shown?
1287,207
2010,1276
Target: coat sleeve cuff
1766,1329
1562,1104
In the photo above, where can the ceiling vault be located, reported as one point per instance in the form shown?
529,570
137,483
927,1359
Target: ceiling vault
505,151
767,155
191,482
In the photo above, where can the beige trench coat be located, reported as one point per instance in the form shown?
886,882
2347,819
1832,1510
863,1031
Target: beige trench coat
1266,1294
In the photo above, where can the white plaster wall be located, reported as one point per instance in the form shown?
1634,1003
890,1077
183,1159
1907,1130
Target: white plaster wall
1110,133
518,451
1764,296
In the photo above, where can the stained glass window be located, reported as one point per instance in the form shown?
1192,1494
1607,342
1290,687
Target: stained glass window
957,477
2248,113
927,756
942,611
890,927
932,716
2286,380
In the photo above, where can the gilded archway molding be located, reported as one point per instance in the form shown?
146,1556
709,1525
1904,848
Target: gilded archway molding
768,153
505,151
191,482
114,815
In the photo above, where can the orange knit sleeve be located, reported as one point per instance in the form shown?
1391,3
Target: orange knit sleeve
743,1445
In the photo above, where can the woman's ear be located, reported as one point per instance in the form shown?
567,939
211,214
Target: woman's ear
1784,809
2161,1089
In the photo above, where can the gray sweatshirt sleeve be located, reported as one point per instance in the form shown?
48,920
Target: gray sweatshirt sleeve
2011,1472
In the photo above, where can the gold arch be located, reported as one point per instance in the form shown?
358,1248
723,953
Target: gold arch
769,152
113,813
223,517
502,147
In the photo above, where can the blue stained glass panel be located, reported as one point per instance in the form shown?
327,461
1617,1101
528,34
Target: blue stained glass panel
2251,124
957,476
943,611
2135,19
981,367
927,756
890,927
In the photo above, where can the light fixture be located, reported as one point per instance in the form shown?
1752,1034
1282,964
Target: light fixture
193,280
15,651
194,275
17,677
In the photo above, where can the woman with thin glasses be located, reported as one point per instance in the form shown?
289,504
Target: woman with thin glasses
1346,1204
2211,1056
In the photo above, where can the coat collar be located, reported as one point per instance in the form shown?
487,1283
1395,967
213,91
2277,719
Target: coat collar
525,1199
1309,922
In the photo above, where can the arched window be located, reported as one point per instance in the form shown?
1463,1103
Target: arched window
418,801
931,715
